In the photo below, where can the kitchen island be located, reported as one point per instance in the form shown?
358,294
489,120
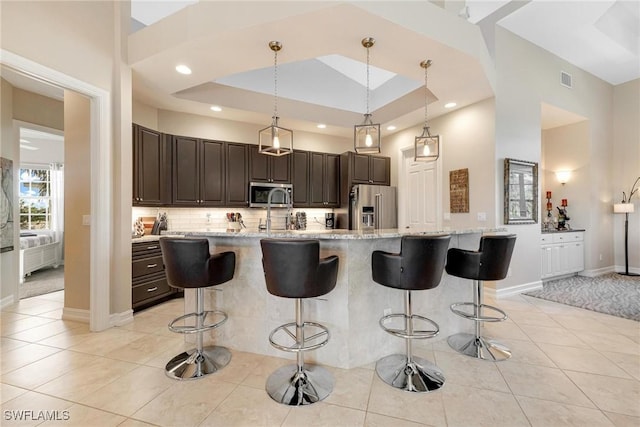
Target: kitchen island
351,311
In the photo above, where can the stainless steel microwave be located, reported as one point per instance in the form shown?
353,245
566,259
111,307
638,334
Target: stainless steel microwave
259,194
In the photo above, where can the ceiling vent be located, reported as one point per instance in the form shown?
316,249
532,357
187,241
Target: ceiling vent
566,79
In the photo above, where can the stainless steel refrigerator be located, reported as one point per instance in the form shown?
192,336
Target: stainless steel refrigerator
373,207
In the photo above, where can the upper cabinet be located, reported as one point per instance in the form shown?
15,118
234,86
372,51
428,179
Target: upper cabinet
300,178
151,166
237,160
324,180
266,168
367,169
198,172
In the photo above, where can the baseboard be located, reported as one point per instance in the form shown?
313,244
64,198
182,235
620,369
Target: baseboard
6,301
621,269
75,314
513,290
119,319
597,271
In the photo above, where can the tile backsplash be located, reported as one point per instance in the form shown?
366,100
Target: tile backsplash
216,218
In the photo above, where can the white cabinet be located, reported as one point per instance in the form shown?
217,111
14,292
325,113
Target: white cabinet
562,253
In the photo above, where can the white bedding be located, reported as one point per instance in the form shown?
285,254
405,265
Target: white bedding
42,237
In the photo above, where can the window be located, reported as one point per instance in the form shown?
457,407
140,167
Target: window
35,199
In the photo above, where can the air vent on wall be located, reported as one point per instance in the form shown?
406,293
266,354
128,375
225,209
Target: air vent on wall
565,79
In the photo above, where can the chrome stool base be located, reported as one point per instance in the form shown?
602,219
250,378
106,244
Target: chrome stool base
419,375
292,387
479,347
193,364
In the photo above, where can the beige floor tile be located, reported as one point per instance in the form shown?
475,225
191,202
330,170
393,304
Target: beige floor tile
535,318
144,348
467,371
8,392
542,383
9,316
582,360
23,324
101,343
324,414
130,422
352,387
560,336
417,407
29,406
49,368
512,304
160,360
68,338
83,381
185,403
610,342
582,323
130,392
377,420
504,330
151,323
83,416
8,344
53,314
610,394
257,378
239,368
527,352
620,420
542,413
247,406
467,406
629,362
34,307
24,355
47,330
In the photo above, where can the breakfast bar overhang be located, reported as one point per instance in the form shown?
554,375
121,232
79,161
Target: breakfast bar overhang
351,311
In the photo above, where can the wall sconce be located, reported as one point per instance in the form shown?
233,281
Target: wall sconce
563,176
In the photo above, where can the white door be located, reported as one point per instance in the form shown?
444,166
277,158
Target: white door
420,201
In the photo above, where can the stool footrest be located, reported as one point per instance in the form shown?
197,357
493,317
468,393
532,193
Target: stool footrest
194,329
416,334
298,347
479,318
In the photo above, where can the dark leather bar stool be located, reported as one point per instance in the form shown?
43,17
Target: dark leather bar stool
490,262
293,269
418,266
189,265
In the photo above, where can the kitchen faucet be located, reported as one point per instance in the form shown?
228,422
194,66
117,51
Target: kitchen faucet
287,198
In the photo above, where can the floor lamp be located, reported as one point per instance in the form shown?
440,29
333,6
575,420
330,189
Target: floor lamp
626,209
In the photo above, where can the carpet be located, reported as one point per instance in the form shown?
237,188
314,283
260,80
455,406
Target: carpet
610,293
43,281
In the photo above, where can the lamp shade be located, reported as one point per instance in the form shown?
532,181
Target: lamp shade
623,208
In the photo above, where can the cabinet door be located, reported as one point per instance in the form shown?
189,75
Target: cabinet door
280,169
360,168
576,256
332,180
300,179
149,170
186,179
379,172
316,180
212,173
547,262
258,165
237,174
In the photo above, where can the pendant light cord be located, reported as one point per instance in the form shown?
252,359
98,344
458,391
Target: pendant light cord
426,95
275,84
367,80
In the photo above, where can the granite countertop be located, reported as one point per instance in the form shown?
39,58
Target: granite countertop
330,234
562,231
152,237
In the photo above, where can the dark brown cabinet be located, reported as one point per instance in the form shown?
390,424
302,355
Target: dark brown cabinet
198,172
151,168
367,169
266,168
324,180
148,280
300,178
237,176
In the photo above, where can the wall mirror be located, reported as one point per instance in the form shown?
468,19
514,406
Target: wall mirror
520,192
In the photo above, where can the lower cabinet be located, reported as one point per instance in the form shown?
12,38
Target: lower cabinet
562,253
148,280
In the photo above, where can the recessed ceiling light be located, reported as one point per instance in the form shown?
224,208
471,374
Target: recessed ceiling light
321,126
183,69
450,105
392,127
216,108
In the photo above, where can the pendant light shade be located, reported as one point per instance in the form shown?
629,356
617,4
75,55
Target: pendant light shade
427,146
275,140
366,136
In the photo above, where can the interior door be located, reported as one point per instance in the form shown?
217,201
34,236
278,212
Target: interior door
420,201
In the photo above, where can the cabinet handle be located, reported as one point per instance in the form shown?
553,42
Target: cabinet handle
151,265
152,247
155,288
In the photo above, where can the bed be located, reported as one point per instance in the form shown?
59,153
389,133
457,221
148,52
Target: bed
38,249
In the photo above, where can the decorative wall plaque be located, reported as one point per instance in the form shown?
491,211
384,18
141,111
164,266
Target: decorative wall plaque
459,191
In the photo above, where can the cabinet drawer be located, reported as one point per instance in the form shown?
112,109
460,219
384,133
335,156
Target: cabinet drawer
146,266
151,289
546,239
151,247
567,237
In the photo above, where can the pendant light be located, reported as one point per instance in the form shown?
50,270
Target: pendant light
366,137
275,140
427,146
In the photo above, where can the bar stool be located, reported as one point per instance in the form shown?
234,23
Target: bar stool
293,269
418,266
490,262
189,265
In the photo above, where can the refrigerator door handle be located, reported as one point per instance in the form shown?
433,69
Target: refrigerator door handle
378,211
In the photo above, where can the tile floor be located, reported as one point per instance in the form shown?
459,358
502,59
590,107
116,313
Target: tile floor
570,367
